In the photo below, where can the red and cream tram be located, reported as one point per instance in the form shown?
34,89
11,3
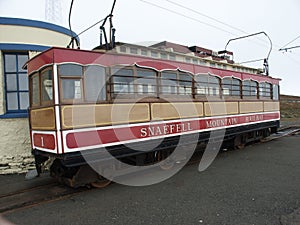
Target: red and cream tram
87,101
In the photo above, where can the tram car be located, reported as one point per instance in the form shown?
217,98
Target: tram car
92,101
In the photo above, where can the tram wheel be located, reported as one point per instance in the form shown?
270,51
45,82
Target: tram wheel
101,182
239,143
165,162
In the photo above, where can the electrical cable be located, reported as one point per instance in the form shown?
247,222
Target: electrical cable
282,48
70,27
188,17
204,15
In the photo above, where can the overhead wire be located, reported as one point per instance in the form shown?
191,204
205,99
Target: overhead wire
289,42
202,22
218,21
213,19
188,17
209,17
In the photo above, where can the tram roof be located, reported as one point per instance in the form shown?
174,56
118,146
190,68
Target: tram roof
114,57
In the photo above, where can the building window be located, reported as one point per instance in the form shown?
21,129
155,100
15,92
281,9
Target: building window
16,82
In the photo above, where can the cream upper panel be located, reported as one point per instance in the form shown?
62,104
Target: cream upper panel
32,35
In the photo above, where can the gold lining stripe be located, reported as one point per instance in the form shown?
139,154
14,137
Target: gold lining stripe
176,110
77,116
251,107
42,116
221,108
271,106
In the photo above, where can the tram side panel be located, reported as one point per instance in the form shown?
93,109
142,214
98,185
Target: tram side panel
43,130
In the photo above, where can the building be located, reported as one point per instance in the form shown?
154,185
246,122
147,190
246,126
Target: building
20,39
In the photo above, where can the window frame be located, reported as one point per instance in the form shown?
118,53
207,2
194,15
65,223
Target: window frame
42,101
38,74
85,86
70,77
275,91
112,83
265,90
231,87
250,90
137,77
207,85
19,112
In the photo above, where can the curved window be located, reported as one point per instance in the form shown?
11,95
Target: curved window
47,86
71,81
146,82
231,87
249,88
122,81
265,90
207,85
275,92
169,83
94,83
35,89
185,82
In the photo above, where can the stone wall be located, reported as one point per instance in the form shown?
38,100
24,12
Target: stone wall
15,150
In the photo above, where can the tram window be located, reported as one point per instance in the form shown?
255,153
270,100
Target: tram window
35,90
231,87
71,81
201,84
123,81
268,90
275,92
236,87
70,70
249,88
71,89
207,85
265,90
146,82
95,83
185,84
47,86
214,85
227,86
169,83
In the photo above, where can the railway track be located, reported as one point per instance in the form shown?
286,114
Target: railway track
33,196
53,191
282,132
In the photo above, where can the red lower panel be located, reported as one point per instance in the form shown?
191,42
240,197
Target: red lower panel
117,134
46,141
